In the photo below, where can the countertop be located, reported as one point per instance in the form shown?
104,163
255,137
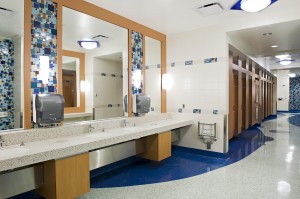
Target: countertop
57,148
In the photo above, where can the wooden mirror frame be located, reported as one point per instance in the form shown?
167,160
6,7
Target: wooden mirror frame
81,57
97,12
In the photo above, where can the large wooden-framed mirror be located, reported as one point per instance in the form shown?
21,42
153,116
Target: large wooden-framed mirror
91,10
103,70
152,79
11,64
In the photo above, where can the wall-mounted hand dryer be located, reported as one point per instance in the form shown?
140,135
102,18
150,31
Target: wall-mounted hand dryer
140,104
48,109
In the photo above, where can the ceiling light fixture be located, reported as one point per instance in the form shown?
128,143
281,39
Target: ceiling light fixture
252,5
282,56
89,44
292,75
286,61
275,46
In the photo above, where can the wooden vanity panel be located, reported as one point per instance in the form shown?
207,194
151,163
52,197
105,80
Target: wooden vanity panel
155,147
66,178
48,190
164,145
73,176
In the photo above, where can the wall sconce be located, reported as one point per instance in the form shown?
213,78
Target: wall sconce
167,82
44,69
82,85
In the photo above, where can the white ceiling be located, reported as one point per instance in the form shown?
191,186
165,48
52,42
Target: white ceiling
173,16
253,43
12,25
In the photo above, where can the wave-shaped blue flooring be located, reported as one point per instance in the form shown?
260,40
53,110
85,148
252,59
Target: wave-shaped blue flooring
183,163
294,120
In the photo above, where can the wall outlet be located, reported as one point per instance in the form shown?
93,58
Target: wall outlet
3,114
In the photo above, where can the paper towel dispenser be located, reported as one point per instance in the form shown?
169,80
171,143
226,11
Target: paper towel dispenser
48,109
140,104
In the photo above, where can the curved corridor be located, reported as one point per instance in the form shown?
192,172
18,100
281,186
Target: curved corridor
272,171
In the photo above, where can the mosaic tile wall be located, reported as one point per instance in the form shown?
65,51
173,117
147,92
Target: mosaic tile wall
43,42
6,83
294,94
137,59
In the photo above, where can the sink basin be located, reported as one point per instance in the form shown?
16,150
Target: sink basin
7,152
98,135
132,128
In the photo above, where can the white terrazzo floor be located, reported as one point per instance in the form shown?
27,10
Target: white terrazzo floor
272,172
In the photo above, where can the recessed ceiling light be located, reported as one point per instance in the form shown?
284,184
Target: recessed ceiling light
275,46
282,56
267,34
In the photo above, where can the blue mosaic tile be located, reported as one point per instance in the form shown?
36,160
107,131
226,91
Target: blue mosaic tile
7,83
188,63
210,60
43,43
137,58
294,103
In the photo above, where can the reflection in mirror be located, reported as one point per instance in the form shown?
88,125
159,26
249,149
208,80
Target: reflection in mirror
106,64
72,77
153,73
11,64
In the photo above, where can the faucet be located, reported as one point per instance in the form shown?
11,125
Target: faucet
124,123
90,128
1,142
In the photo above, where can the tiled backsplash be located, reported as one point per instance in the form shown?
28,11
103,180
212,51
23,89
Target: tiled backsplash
43,43
7,83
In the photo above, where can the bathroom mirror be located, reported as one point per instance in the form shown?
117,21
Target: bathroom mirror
153,73
73,79
105,83
11,64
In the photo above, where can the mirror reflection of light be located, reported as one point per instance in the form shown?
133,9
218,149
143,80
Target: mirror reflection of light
283,188
292,148
289,157
44,69
167,82
137,78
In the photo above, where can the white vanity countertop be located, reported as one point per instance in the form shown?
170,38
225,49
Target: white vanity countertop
73,115
57,148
